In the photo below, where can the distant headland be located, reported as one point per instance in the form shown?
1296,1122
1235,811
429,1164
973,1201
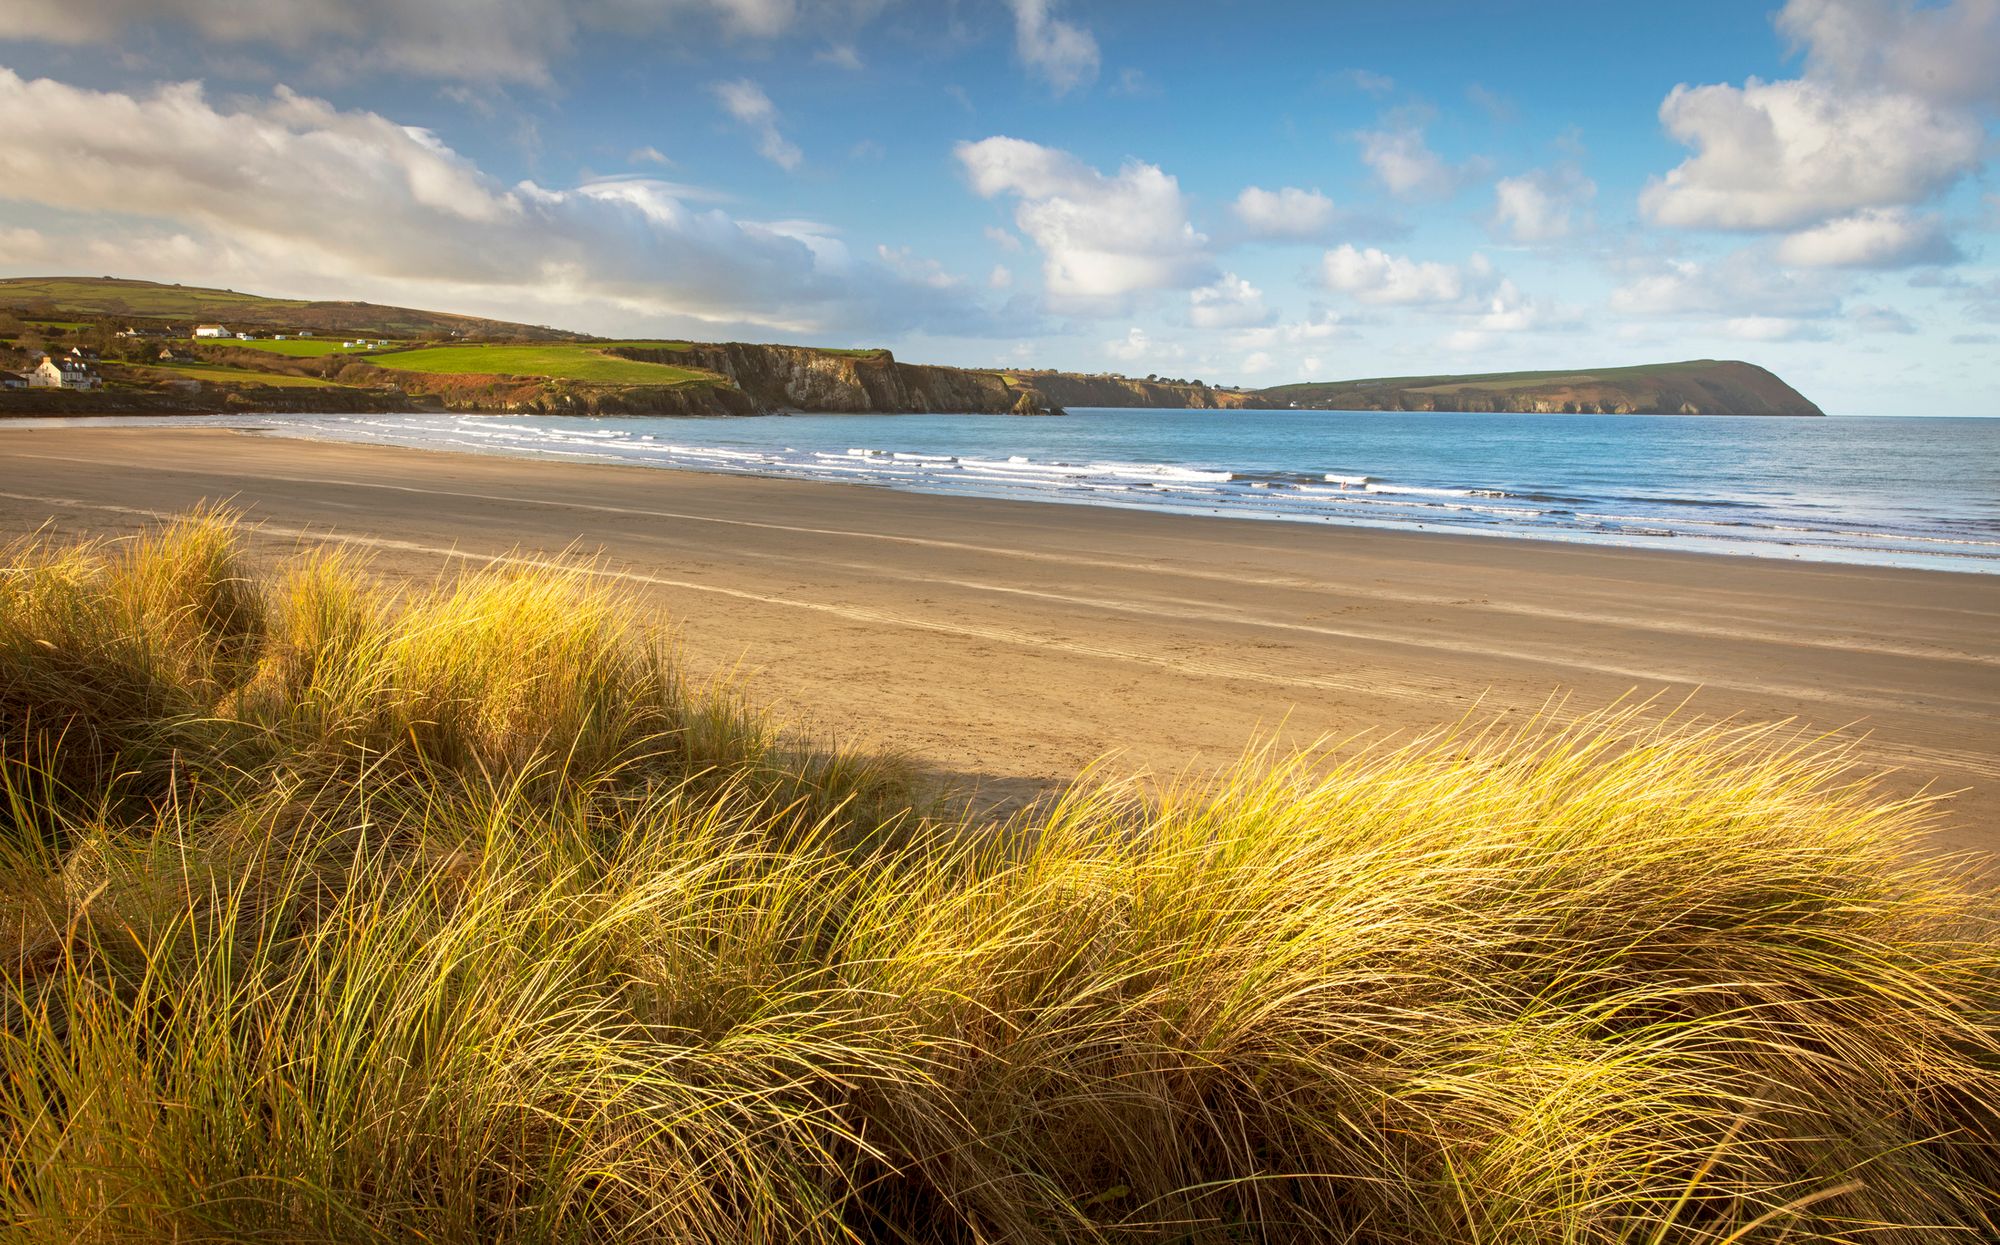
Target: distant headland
103,345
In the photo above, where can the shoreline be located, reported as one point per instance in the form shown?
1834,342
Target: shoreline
1008,643
1373,503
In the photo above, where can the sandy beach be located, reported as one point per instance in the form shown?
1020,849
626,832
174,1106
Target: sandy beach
1009,643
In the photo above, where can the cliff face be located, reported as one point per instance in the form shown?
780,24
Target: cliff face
800,378
1696,387
1068,389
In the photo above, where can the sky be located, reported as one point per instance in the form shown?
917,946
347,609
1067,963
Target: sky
1250,194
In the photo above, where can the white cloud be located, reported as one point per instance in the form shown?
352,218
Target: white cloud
746,102
1137,344
1543,205
290,185
1230,303
1876,238
1288,213
1945,53
1507,310
915,269
1255,364
1062,53
1005,239
649,155
1404,163
1323,326
1001,277
1774,329
1375,276
1102,238
470,40
1778,155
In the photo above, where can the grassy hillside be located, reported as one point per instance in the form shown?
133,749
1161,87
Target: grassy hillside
1693,387
340,913
188,304
558,362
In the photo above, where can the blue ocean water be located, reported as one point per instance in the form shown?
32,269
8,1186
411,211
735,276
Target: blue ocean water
1906,491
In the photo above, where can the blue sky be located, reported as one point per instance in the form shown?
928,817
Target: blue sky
1251,195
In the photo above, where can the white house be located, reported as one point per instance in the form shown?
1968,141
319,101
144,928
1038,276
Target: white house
210,330
60,373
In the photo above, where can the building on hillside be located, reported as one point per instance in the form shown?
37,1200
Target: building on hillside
169,355
63,373
244,337
13,380
210,330
305,332
83,353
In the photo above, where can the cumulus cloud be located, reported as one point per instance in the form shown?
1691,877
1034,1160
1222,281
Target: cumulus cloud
1541,206
1230,303
1877,238
1286,214
1941,52
1062,53
1102,238
471,40
1407,167
290,184
746,102
1375,276
1779,155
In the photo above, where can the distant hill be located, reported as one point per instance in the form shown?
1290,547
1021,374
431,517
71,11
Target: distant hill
1694,387
438,360
150,300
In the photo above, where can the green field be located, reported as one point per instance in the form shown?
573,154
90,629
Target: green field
236,376
556,361
315,348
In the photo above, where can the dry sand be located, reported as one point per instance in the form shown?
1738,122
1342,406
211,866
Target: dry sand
1012,642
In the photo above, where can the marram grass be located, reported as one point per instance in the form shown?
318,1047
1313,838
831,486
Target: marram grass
334,913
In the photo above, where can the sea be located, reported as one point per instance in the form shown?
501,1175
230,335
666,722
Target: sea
1912,492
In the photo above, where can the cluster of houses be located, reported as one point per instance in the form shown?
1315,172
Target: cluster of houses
219,330
75,370
78,368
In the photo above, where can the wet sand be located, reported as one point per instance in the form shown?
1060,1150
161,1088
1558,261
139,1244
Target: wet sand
1012,642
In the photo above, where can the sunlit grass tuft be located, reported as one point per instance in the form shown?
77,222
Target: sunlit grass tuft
458,914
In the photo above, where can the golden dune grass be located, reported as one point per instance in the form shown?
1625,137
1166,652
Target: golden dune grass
329,912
